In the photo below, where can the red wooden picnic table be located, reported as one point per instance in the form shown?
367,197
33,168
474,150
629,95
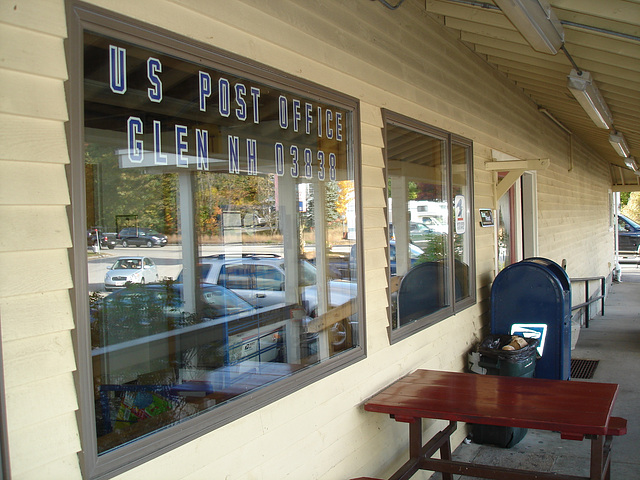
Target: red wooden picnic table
574,409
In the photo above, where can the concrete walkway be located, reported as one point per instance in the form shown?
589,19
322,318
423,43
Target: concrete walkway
614,340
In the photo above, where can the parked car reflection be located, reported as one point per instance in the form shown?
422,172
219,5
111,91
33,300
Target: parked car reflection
141,236
420,234
107,240
131,270
144,310
162,308
260,280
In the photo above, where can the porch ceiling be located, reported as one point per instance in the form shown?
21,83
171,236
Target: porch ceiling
601,37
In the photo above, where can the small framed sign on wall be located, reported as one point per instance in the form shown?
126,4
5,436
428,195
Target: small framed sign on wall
486,217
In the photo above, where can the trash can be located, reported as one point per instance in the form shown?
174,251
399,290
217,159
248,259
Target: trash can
533,298
495,360
508,363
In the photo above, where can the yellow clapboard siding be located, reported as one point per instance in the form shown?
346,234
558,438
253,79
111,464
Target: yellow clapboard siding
373,217
373,177
373,197
25,409
337,52
371,136
49,271
41,15
372,156
374,238
34,227
375,258
23,315
30,183
30,95
37,358
27,139
370,114
63,467
45,58
41,444
376,280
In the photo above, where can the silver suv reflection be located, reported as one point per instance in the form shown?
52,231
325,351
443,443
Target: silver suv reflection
260,280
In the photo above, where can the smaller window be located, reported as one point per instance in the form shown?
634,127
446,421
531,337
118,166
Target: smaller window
430,201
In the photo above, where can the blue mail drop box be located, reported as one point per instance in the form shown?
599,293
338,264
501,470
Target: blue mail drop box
533,298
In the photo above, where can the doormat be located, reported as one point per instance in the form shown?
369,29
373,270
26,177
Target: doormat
583,368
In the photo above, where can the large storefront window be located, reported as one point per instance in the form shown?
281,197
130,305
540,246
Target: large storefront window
220,218
430,199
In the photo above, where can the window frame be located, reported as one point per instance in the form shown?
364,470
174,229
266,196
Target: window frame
450,139
81,17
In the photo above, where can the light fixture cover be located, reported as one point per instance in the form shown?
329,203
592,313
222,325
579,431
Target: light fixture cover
586,92
537,23
617,141
631,163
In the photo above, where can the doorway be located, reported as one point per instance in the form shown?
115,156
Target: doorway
517,222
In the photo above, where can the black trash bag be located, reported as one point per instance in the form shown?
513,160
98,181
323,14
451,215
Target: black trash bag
491,347
512,363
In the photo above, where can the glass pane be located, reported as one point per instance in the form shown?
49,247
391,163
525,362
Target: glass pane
418,223
221,231
463,215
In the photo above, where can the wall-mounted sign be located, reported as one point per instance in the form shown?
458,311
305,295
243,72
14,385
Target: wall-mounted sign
486,217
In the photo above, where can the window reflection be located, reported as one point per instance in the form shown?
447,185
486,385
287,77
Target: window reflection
229,210
419,213
430,206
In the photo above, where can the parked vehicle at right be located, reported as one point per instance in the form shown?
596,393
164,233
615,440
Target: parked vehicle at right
628,235
141,236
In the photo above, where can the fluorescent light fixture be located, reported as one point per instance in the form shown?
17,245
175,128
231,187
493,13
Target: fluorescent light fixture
584,89
537,23
616,139
631,163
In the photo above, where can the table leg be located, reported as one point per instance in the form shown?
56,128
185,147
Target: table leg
415,446
418,452
445,454
601,457
415,438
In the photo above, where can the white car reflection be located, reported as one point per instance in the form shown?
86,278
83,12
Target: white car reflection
131,270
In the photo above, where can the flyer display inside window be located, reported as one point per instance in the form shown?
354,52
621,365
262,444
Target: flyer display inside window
221,234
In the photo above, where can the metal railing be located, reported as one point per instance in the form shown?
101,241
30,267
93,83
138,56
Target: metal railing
599,295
